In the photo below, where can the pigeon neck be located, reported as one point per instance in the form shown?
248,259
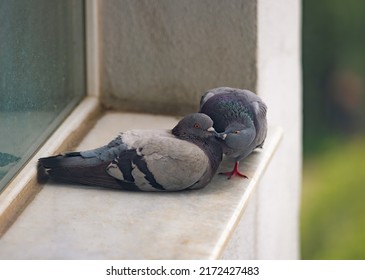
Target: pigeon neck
213,149
242,124
246,120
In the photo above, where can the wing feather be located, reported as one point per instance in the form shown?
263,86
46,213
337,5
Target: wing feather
175,164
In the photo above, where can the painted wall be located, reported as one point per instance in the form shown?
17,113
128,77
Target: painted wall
160,56
279,84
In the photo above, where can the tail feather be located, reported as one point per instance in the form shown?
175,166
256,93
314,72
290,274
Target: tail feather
73,168
68,160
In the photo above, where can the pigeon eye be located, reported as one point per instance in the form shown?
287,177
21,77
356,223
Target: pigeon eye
196,125
236,132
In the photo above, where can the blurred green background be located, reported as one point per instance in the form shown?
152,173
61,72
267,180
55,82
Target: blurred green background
333,198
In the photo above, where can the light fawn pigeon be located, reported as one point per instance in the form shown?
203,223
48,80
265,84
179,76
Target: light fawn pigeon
240,118
185,157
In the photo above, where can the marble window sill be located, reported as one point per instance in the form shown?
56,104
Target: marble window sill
77,222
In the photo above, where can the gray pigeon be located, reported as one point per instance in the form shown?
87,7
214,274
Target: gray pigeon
185,157
240,118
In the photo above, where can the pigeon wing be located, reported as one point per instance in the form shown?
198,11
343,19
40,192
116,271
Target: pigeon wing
160,161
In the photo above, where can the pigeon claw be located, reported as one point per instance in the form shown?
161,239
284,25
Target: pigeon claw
234,172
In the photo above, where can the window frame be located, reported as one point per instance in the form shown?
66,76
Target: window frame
24,186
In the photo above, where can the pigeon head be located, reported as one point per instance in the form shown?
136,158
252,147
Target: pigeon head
237,135
194,126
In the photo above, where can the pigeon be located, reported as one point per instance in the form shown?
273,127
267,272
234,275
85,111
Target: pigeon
185,157
239,117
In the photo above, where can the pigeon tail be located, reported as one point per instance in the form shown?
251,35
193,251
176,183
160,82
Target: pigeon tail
73,168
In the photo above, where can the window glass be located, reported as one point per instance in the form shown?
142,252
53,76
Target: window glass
42,74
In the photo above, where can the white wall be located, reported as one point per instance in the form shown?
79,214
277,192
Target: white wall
279,83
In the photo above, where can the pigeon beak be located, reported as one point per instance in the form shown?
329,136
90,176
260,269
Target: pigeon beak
222,135
211,129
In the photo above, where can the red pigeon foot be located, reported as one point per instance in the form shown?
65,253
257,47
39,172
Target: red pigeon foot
234,172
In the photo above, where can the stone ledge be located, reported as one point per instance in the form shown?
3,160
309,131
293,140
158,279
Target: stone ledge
77,222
